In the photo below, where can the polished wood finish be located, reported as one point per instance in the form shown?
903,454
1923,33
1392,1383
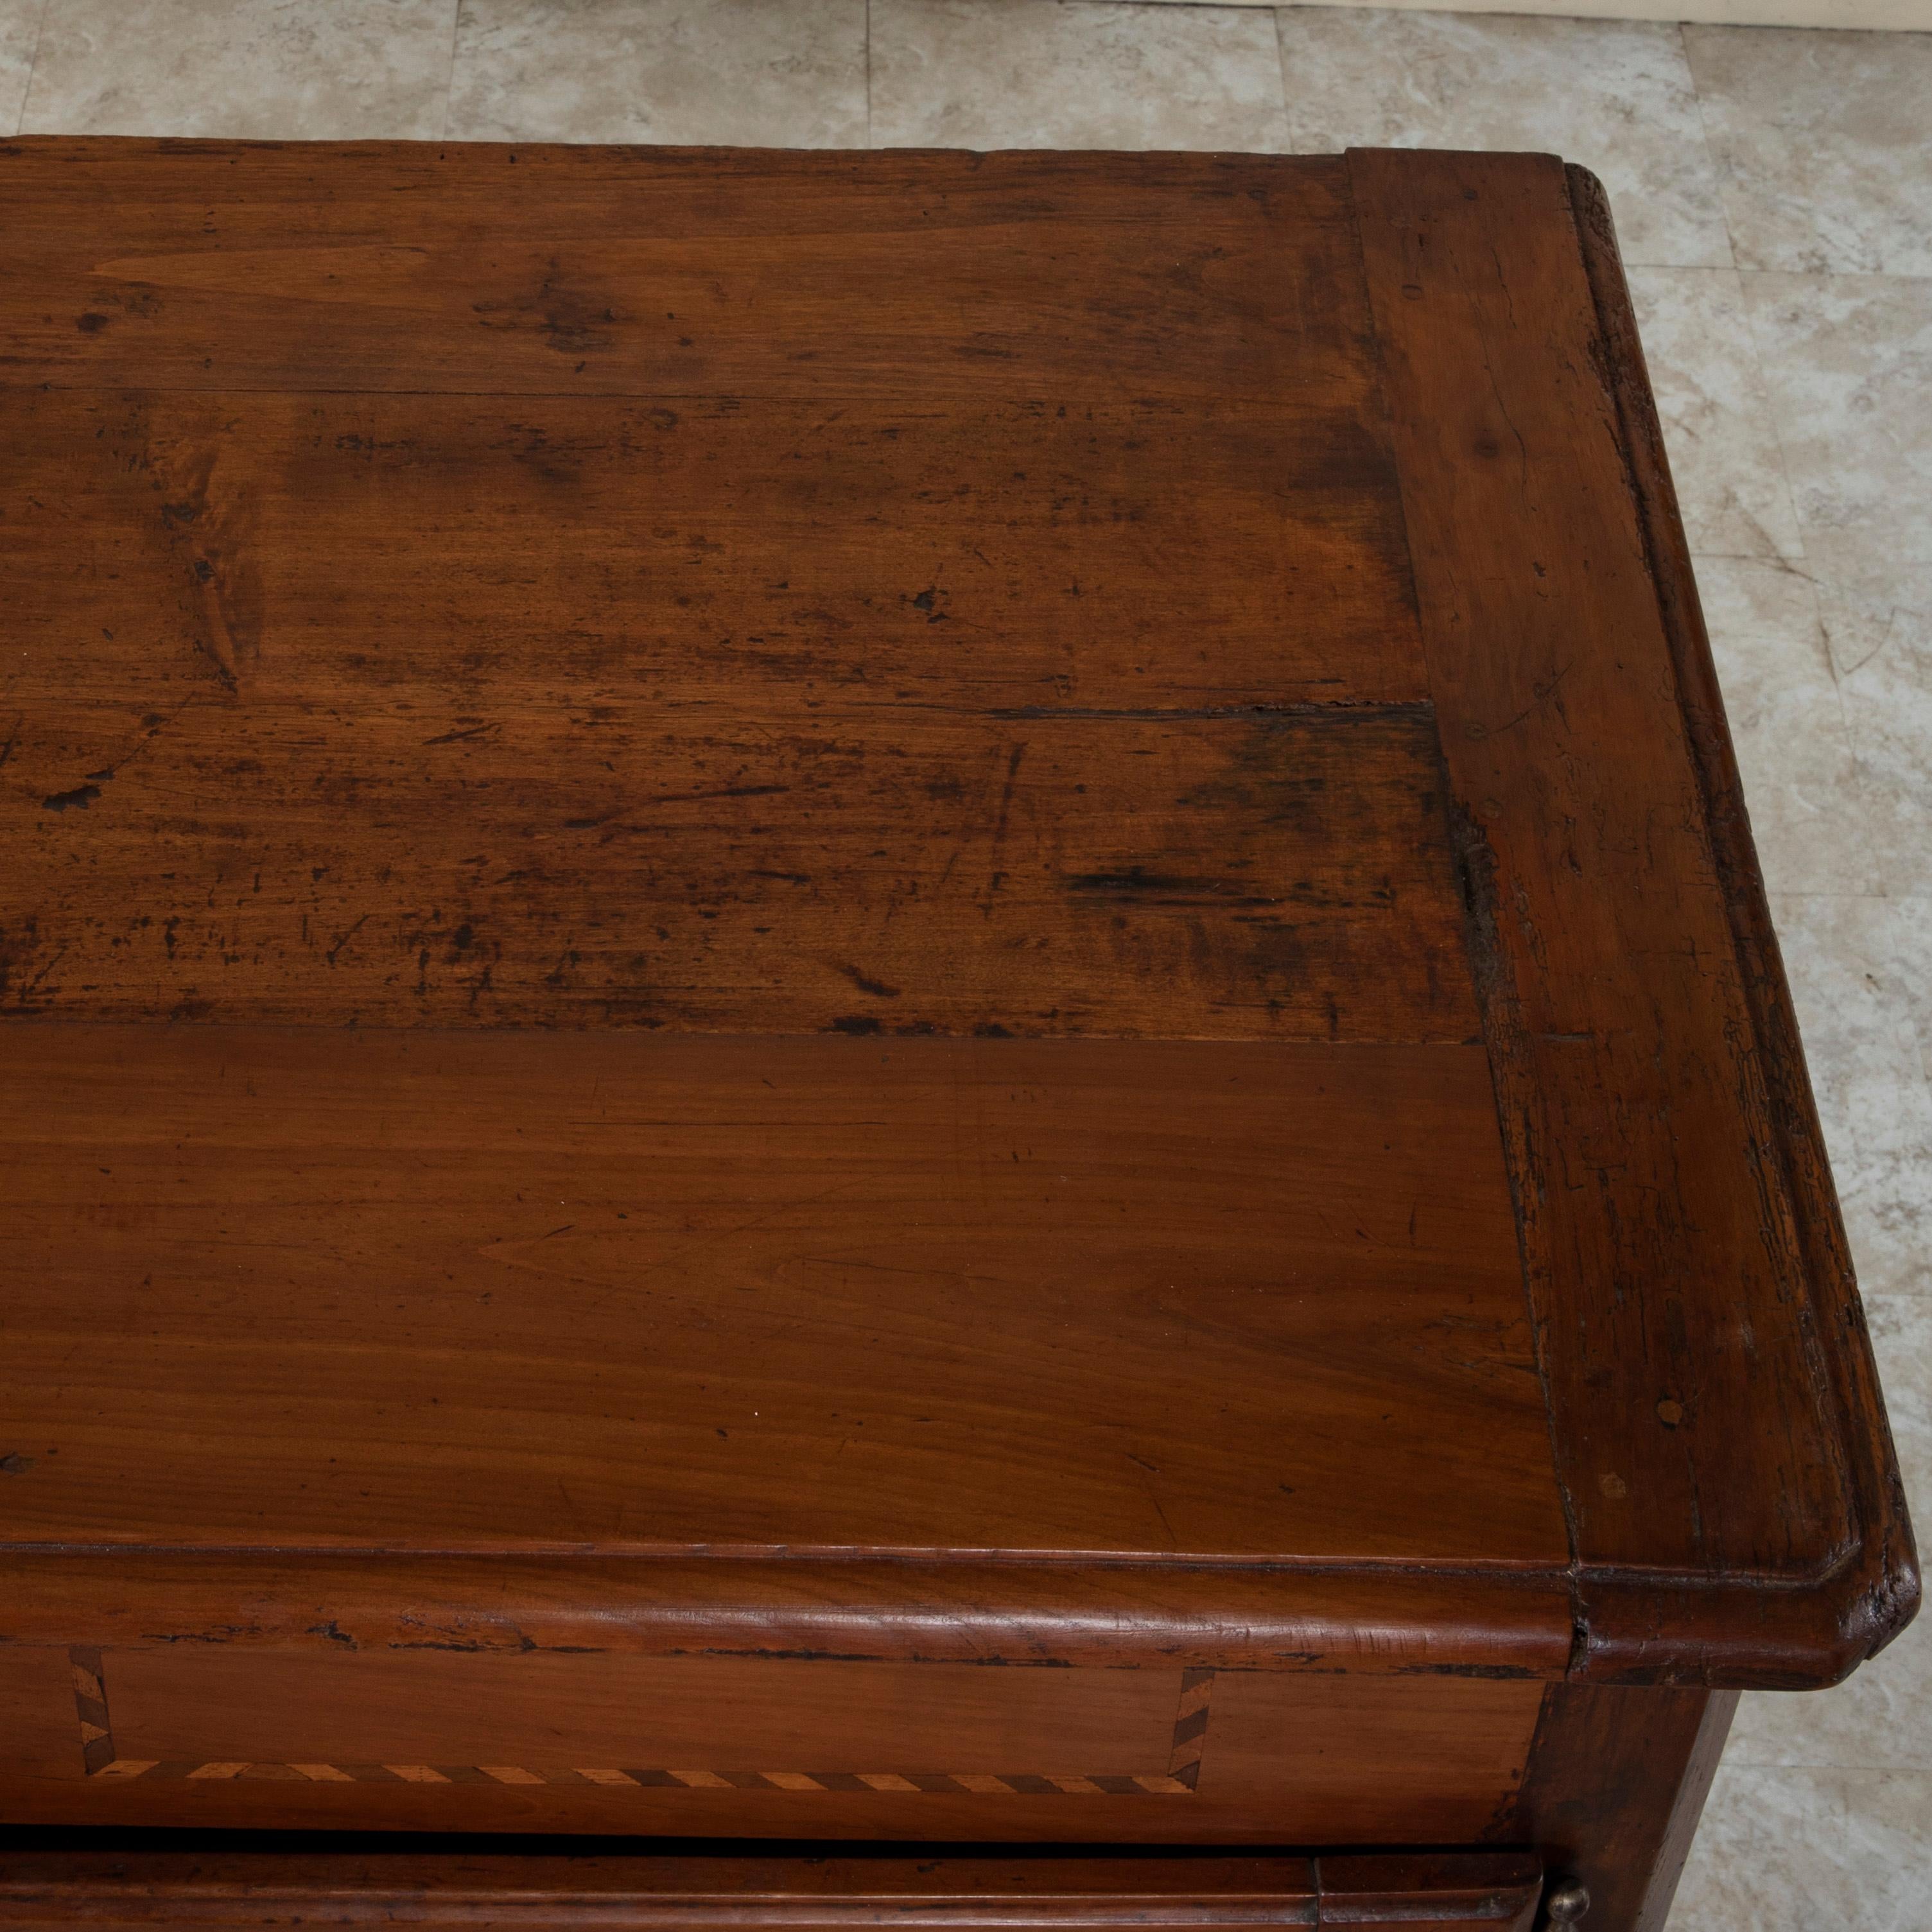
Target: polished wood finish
410,268
1679,1329
1379,1621
522,706
791,1222
902,997
109,1889
1876,1589
624,866
236,1735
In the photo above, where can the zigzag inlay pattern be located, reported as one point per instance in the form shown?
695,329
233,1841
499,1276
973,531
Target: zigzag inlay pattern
1183,1772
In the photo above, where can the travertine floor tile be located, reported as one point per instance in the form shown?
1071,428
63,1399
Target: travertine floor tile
1615,95
1788,725
1847,360
352,70
1888,699
1841,952
19,28
1810,1851
1908,965
775,73
1716,417
1820,139
1073,74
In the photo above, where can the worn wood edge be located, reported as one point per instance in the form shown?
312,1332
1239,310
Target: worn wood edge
1376,1888
1806,1626
1400,1622
1734,1634
1104,163
1866,1603
105,1887
1388,1619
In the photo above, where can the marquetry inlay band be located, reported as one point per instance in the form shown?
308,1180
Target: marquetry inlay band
1190,1726
1183,1772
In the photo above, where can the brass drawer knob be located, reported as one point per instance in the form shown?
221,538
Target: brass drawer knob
1567,1902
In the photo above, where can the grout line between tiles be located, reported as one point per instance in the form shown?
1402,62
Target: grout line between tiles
1801,565
1797,566
1711,154
33,62
1281,68
449,81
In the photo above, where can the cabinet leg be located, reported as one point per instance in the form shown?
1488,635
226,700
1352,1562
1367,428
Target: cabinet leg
1611,1797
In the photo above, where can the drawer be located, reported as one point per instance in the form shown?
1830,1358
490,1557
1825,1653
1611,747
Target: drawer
105,1890
233,1735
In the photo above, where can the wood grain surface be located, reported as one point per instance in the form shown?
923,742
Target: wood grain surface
1698,1436
1394,1619
425,1735
401,268
496,1291
919,908
429,1733
1618,1776
782,870
698,1723
106,1888
710,664
1877,1588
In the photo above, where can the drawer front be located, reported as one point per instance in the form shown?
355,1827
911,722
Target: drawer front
222,1735
234,1892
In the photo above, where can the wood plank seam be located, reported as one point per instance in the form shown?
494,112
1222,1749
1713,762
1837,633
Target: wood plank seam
1180,1779
1495,997
1505,1030
1495,993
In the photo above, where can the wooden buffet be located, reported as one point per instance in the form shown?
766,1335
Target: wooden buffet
887,1038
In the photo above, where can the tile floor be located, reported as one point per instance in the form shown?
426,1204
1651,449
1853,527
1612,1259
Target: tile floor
1773,191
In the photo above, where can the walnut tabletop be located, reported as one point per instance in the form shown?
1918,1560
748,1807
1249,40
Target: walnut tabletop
829,914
